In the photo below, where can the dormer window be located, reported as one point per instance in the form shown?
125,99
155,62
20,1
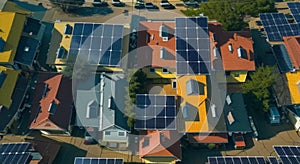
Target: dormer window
52,107
230,48
92,109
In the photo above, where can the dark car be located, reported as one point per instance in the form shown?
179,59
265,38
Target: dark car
118,3
100,4
139,6
191,4
150,6
169,7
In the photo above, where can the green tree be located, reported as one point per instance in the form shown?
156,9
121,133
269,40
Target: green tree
137,80
68,5
260,82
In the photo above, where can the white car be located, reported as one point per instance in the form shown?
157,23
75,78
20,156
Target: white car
164,3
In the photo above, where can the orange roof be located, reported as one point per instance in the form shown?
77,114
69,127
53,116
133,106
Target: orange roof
160,144
209,138
292,44
230,59
50,88
150,44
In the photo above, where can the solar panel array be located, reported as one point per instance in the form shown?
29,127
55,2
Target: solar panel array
155,112
102,43
273,160
295,9
85,160
288,154
192,46
277,26
15,153
236,160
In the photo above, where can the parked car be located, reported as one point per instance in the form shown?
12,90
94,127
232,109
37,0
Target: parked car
274,115
88,139
100,4
139,5
164,3
169,7
239,142
191,4
150,6
118,3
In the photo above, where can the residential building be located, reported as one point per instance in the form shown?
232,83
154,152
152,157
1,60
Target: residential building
156,49
52,105
160,146
100,103
231,52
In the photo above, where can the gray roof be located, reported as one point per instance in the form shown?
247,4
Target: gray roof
239,113
27,50
109,93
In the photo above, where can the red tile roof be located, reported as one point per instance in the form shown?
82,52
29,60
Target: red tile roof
150,43
231,60
160,144
209,138
59,91
292,44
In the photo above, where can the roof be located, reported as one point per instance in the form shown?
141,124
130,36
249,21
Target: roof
52,104
48,149
293,80
282,57
8,83
292,45
32,26
235,113
7,114
27,50
2,4
11,29
160,144
93,92
209,138
237,59
153,51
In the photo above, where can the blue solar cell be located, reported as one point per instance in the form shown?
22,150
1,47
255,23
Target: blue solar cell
295,151
273,160
115,58
180,22
193,55
180,44
94,161
285,160
191,33
160,111
202,22
106,44
118,30
160,100
98,30
170,123
170,111
181,67
108,29
74,52
104,60
75,42
181,33
212,160
245,160
236,160
86,44
182,56
140,99
150,124
192,44
287,151
202,33
117,44
195,67
150,112
96,43
139,124
87,29
204,55
252,160
261,160
279,150
204,67
78,28
160,123
170,100
119,161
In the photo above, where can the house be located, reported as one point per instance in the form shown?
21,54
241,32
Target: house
19,40
52,105
160,146
156,49
12,88
95,44
231,52
293,113
100,103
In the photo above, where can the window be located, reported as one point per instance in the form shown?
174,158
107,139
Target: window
174,84
152,69
227,73
121,133
165,70
107,133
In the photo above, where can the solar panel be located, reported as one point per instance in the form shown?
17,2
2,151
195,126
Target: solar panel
236,160
15,152
155,112
85,160
287,150
192,46
277,26
273,160
15,158
101,43
14,147
295,9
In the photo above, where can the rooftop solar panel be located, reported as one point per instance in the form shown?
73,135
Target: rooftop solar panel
277,26
236,160
14,147
295,9
287,151
192,46
86,160
100,43
273,160
155,112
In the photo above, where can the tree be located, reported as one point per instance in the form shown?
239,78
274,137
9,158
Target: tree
259,85
82,71
68,5
231,13
136,80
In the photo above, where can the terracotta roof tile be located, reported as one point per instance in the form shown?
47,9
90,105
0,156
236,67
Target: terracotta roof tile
160,144
150,43
292,44
59,91
209,138
231,60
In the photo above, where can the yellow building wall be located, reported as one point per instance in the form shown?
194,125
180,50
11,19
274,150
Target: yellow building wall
237,77
159,74
197,101
11,29
294,79
8,86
